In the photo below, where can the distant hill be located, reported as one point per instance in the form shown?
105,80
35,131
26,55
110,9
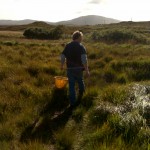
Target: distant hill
19,27
16,22
84,20
89,20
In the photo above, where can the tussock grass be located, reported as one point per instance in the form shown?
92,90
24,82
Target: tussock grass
114,94
109,75
6,134
78,114
65,139
89,97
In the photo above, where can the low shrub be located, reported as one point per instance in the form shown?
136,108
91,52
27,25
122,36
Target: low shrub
118,36
41,33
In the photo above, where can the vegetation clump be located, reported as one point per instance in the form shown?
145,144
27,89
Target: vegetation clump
118,36
125,120
41,33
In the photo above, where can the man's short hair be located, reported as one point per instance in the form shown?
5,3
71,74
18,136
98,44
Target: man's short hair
76,35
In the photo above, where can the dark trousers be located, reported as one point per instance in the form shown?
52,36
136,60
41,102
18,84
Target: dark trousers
75,75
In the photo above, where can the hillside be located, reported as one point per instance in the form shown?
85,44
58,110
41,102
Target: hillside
25,26
89,20
84,20
16,22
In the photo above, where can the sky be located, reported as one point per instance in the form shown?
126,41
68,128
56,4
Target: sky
60,10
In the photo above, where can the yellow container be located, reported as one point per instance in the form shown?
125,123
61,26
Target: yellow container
60,82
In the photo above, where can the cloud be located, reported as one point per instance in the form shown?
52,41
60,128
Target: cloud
96,1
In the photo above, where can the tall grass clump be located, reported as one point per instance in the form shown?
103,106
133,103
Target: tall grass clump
6,134
89,97
78,114
98,115
143,136
42,80
2,75
109,75
122,78
100,135
114,94
137,70
64,139
33,70
106,104
26,90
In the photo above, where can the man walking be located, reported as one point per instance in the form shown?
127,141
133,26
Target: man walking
76,60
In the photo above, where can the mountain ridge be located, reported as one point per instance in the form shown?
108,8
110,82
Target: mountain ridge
82,20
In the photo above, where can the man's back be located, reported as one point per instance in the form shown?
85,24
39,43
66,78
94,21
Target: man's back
73,52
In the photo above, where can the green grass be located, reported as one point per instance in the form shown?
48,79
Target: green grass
114,110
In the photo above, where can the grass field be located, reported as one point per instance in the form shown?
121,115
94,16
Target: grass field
115,111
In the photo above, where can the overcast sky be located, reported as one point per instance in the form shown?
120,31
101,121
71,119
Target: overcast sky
58,10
